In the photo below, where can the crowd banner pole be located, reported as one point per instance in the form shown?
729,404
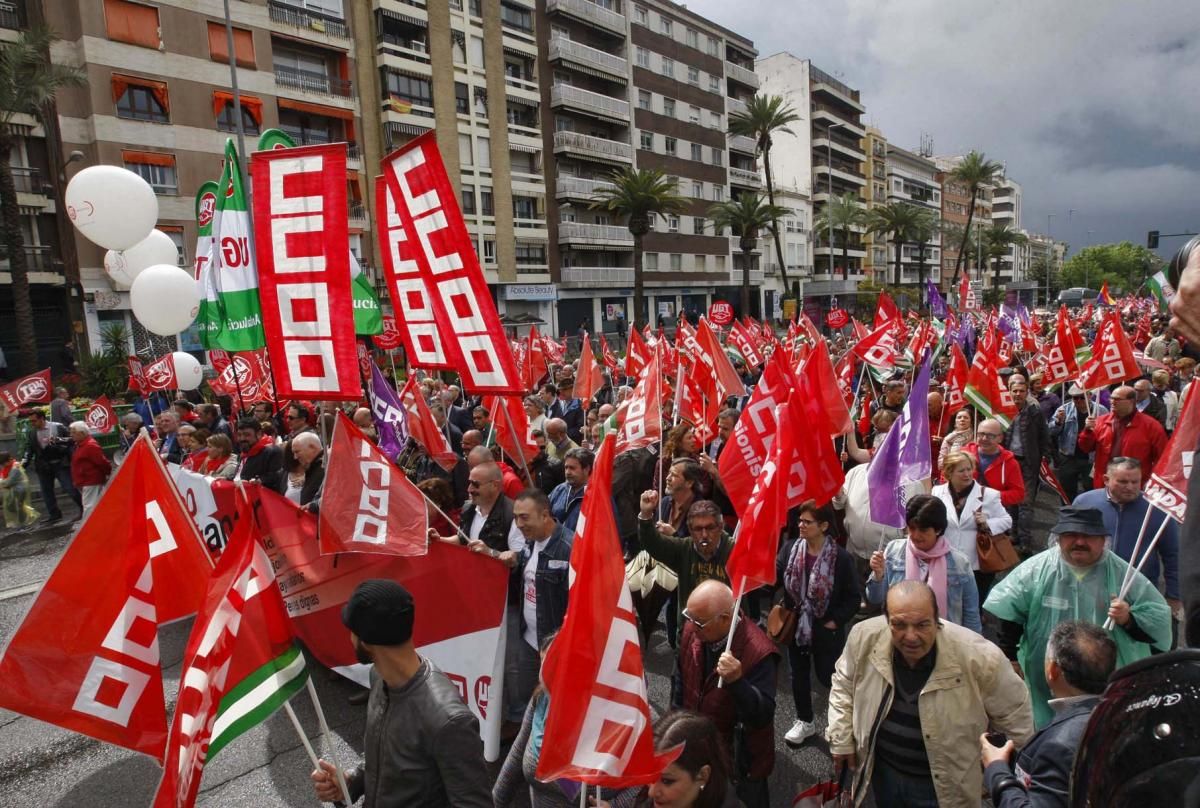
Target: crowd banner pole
512,430
312,756
341,777
737,605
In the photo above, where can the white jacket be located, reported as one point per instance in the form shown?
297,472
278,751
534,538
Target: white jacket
960,530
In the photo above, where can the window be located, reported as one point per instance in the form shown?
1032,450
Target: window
668,67
468,200
694,76
485,203
714,84
718,156
525,207
697,190
516,17
700,262
640,16
664,25
531,254
643,57
676,262
672,224
141,99
489,251
698,224
693,113
644,99
697,152
155,168
133,23
669,107
175,233
714,120
465,158
720,263
718,193
693,38
647,140
462,99
713,46
412,89
897,185
226,117
669,145
483,159
650,262
243,45
304,128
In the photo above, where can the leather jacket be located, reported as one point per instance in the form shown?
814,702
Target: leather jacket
422,747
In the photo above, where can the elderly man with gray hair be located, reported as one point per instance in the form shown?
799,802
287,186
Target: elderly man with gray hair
89,467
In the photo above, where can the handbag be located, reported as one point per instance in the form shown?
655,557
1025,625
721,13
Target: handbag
781,624
996,552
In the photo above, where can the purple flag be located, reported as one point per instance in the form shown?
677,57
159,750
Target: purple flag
391,419
937,303
903,457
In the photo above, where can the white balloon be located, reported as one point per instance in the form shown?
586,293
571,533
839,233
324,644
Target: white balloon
111,206
188,373
165,299
123,266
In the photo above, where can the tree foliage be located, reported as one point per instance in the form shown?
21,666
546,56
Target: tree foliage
1125,266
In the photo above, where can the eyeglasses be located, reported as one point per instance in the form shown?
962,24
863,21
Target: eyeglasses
701,624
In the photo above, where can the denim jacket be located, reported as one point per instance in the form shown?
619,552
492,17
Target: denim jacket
962,597
1066,434
552,581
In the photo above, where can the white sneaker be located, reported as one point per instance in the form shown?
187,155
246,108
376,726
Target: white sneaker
800,732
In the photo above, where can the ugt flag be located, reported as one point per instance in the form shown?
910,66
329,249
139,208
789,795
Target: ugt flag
235,267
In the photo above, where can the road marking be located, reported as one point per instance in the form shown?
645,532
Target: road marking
20,591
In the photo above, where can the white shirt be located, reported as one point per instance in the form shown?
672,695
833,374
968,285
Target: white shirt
516,541
529,593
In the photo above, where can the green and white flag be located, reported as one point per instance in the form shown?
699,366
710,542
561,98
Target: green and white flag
1162,289
208,321
237,273
275,139
368,318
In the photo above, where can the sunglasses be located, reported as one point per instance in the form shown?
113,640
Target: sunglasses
697,623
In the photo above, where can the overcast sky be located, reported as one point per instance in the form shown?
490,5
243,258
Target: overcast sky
1091,104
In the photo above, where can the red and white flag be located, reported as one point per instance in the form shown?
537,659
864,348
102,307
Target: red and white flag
137,376
535,366
444,307
967,301
423,428
1112,360
160,374
513,433
956,382
369,505
637,353
743,339
598,728
241,664
100,416
610,361
844,370
887,312
818,375
35,387
641,415
240,377
728,380
878,348
389,338
1168,484
303,241
750,441
589,376
86,656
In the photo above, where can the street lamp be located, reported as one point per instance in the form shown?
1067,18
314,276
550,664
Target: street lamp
1050,238
829,168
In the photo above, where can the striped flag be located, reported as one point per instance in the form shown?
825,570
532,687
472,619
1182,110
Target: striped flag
234,264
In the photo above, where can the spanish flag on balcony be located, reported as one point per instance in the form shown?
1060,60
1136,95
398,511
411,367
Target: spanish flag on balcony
1104,298
400,105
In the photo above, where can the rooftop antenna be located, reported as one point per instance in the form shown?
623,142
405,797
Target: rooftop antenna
926,149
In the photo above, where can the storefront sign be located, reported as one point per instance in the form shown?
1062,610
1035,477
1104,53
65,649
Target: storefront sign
530,291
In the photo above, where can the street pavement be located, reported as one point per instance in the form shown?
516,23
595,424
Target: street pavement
46,766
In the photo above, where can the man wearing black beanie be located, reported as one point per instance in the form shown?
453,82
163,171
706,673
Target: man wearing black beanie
422,743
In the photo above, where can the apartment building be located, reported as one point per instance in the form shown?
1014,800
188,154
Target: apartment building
645,84
912,179
875,193
956,198
819,159
158,102
1006,211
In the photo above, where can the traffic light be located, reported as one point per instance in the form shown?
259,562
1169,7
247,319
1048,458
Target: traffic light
1152,239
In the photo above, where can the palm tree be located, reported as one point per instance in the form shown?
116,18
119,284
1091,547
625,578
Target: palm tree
639,194
998,241
894,221
974,171
765,116
841,213
28,83
923,229
745,215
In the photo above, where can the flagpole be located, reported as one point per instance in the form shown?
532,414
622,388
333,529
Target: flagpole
457,529
312,756
1137,545
341,777
1131,570
517,443
491,423
737,605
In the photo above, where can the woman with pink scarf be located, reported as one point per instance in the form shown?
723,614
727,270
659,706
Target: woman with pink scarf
926,556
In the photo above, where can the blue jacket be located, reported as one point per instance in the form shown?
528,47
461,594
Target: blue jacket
1044,765
1123,523
564,505
962,597
1066,434
551,579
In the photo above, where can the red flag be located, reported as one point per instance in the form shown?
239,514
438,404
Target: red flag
844,370
820,376
303,242
35,387
598,727
518,445
242,664
369,506
641,415
886,311
444,307
589,376
743,339
967,301
100,416
750,441
1112,360
637,354
137,376
238,377
389,338
860,330
423,429
878,348
728,380
86,655
752,562
1143,331
536,368
1047,475
815,471
607,357
554,350
956,382
1168,484
160,374
986,392
700,403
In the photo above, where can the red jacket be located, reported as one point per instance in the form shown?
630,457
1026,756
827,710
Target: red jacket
1004,474
89,466
1144,439
511,482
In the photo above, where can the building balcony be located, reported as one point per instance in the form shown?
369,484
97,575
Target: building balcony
735,244
741,74
37,259
592,60
837,93
300,18
838,173
595,276
310,81
590,13
823,116
734,106
598,104
593,148
756,277
743,144
740,176
358,214
823,143
600,235
578,188
853,252
29,181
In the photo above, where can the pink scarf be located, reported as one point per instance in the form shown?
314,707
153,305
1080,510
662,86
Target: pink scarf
935,561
